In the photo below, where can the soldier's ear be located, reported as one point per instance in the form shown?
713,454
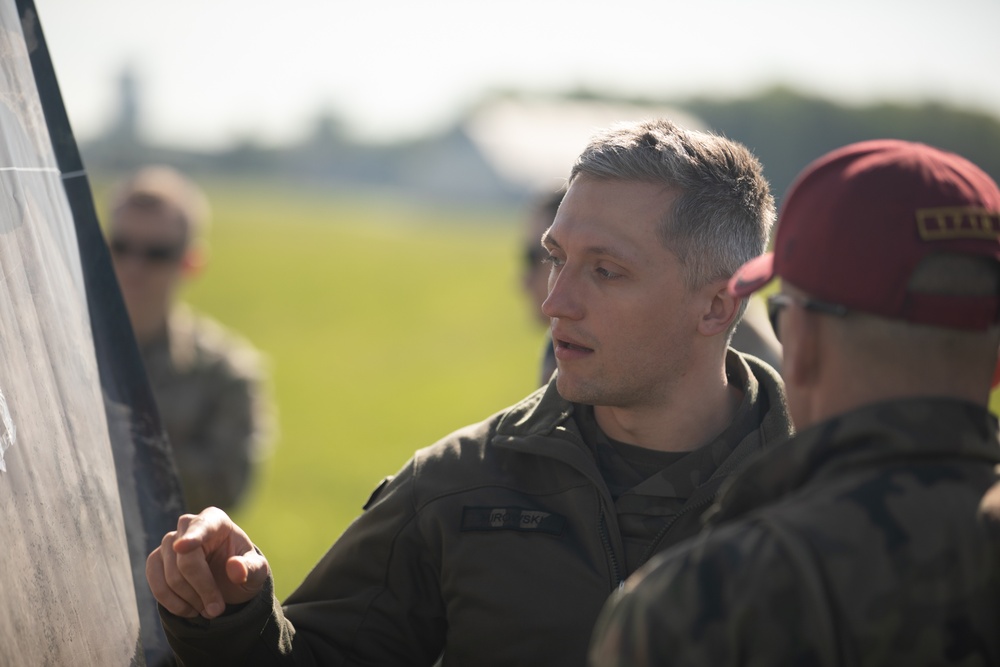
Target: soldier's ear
720,309
193,261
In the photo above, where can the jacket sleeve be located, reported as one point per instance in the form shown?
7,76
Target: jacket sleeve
734,596
374,598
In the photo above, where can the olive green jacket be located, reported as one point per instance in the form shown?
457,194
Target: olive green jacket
496,546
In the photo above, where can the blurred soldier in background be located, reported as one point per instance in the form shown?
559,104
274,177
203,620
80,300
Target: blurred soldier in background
535,272
861,540
209,384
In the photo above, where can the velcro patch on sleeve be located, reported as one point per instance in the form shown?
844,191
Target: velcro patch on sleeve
512,518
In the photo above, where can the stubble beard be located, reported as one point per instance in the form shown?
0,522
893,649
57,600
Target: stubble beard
604,391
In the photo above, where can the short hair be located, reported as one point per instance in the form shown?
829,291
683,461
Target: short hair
724,212
159,187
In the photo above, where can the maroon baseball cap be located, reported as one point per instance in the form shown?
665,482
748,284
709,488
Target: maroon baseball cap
858,221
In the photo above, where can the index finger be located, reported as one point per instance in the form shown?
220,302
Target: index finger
194,567
198,538
205,530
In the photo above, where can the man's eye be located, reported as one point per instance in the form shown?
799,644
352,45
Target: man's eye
553,260
607,273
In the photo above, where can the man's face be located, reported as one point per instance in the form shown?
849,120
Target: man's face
623,322
147,248
535,274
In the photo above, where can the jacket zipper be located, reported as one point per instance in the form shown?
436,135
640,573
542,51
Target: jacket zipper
602,528
663,531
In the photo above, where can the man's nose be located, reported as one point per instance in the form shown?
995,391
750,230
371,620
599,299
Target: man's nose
564,299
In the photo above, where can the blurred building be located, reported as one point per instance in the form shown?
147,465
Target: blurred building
532,143
509,147
504,151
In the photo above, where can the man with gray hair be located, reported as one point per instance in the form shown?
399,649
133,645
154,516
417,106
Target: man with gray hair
499,544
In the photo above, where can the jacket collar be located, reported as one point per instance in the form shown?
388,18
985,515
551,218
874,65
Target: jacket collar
540,413
874,434
541,423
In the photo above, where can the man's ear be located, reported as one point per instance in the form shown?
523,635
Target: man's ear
721,308
193,261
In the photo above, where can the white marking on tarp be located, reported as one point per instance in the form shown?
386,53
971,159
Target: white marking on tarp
32,170
8,432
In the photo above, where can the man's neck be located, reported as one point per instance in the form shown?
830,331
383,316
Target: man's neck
850,382
691,417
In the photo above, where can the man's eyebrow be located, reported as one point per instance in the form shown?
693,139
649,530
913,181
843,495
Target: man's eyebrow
610,251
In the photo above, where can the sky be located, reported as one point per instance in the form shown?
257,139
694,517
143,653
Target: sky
213,72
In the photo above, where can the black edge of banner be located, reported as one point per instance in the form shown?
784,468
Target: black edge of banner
147,478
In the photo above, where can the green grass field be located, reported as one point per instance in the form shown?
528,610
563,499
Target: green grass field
387,325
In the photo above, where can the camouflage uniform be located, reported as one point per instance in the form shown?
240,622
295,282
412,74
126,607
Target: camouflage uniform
858,542
209,389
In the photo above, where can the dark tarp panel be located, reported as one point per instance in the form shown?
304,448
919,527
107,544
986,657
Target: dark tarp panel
75,405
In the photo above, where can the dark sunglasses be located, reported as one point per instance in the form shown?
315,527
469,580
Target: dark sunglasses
152,253
777,302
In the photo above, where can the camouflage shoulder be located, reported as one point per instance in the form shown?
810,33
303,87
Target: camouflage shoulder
215,345
730,593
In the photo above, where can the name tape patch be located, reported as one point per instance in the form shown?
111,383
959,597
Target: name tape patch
512,518
957,222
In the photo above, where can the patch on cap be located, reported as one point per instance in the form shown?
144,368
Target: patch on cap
957,222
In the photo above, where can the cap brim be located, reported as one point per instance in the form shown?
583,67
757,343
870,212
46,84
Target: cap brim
753,275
